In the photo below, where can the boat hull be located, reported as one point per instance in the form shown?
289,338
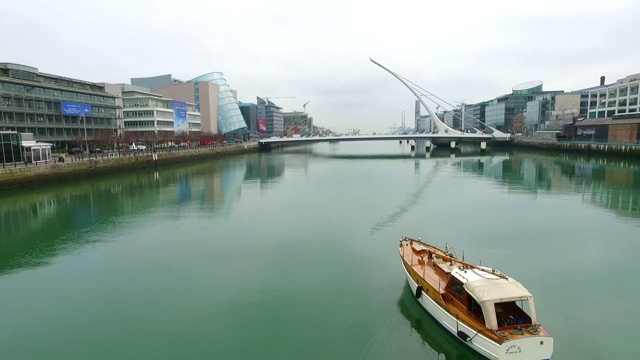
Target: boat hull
532,348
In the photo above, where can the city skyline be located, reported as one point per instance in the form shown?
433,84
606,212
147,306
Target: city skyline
318,51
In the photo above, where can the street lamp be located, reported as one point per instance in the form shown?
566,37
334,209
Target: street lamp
86,144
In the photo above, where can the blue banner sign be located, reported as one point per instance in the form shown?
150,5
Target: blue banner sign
76,109
180,116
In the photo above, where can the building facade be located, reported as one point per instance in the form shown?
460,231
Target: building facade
474,116
499,112
153,118
229,117
270,115
249,113
618,98
63,111
213,98
297,123
201,93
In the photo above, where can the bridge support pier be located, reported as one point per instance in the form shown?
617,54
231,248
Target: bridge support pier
483,145
453,144
427,145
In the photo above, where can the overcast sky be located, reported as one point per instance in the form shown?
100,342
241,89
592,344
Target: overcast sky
318,51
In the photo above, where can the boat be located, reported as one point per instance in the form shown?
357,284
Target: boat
492,313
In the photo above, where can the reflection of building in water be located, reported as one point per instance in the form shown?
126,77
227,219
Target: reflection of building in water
614,186
40,224
264,167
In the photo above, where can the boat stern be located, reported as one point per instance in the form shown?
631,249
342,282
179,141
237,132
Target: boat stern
527,348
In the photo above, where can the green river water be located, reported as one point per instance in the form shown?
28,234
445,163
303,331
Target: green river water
292,254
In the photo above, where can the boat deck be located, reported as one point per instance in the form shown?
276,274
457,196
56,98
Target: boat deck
417,259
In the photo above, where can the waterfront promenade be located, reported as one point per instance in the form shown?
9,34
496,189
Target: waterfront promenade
21,175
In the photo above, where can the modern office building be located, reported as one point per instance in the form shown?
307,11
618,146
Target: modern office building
499,112
153,118
452,118
214,99
297,123
63,111
249,112
566,111
423,119
539,111
619,98
205,97
270,115
229,116
474,116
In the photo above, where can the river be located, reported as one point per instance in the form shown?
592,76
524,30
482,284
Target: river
292,254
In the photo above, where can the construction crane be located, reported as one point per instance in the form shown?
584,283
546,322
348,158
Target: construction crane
305,106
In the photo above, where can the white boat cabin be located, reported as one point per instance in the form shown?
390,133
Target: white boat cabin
492,298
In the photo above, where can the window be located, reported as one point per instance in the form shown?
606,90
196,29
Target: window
457,288
513,313
474,308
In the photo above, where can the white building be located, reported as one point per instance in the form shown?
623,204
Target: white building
618,98
148,116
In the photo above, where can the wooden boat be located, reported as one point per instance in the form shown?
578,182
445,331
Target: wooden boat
490,312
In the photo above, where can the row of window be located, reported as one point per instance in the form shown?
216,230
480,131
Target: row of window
27,90
146,103
41,105
62,133
47,120
610,113
138,114
618,92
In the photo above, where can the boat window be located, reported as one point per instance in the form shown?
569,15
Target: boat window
513,313
457,288
474,308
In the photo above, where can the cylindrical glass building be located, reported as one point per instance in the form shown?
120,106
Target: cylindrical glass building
229,116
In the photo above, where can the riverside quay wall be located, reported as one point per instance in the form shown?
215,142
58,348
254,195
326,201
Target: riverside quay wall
20,176
627,150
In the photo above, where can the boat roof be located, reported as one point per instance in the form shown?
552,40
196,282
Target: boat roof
496,290
486,287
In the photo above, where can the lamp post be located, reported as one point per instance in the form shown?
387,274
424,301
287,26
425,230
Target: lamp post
86,144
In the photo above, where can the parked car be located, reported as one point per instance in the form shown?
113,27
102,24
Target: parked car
75,151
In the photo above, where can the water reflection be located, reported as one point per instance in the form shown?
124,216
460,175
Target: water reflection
264,167
37,224
442,343
607,183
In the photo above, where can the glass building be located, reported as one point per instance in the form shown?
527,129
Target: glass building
229,115
10,147
34,102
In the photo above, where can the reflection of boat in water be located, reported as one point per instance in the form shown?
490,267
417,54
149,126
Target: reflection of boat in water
430,331
490,312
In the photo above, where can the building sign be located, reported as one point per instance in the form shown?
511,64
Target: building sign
262,126
76,109
586,131
180,124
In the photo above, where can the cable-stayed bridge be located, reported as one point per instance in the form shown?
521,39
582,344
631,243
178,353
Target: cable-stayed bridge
442,134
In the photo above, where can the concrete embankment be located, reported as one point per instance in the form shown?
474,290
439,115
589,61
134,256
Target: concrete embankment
25,176
629,150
